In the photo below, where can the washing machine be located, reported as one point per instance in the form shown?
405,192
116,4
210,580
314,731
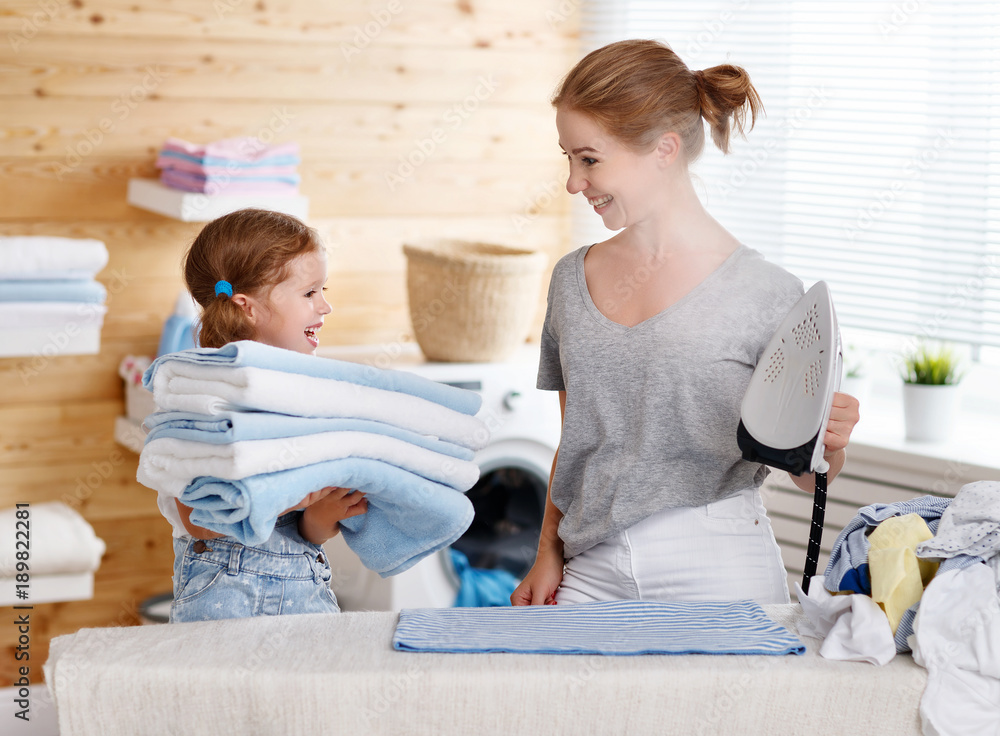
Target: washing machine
509,498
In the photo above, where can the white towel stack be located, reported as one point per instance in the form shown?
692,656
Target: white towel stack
50,554
50,302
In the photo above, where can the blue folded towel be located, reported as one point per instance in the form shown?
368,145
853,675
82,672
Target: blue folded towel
86,291
408,517
233,426
604,627
278,160
247,353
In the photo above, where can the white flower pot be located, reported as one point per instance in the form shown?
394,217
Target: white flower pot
929,411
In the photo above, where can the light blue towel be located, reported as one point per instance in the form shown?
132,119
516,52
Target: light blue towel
408,517
234,426
86,291
257,355
604,627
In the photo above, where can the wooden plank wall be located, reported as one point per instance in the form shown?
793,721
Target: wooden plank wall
415,120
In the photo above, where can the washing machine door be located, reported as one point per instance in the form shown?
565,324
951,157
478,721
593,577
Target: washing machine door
509,501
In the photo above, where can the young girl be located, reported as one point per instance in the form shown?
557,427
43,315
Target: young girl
260,276
650,338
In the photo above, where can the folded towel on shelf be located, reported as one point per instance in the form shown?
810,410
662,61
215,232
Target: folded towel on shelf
408,517
229,184
49,290
247,353
45,315
274,166
238,169
170,464
603,627
234,426
208,389
50,257
61,541
244,149
234,178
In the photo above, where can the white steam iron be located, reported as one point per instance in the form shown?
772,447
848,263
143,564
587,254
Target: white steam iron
787,405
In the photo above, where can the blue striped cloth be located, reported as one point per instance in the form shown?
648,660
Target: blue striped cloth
604,627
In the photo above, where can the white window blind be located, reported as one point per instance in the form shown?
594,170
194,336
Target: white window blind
877,165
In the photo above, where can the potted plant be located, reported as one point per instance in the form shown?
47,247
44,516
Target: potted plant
930,384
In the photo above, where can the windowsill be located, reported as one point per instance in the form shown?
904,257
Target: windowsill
974,440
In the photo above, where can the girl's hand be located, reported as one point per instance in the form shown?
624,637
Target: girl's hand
320,520
844,415
310,499
540,584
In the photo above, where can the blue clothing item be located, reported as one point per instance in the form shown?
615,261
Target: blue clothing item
847,570
221,578
247,353
602,627
236,426
479,587
408,517
86,291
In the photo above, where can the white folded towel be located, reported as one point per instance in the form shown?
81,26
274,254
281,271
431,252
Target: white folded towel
210,389
49,257
57,538
45,315
169,464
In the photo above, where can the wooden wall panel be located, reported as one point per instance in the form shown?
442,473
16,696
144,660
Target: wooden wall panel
56,127
355,25
415,121
128,71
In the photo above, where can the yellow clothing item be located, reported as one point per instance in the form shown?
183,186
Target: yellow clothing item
898,575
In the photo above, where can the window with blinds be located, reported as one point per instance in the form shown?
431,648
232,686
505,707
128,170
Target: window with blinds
877,165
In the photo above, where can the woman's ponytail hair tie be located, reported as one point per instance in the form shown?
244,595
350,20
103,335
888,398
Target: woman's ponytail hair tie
223,287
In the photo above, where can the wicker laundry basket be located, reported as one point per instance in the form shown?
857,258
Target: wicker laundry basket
469,301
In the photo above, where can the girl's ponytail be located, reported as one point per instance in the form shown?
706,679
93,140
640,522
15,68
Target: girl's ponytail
223,321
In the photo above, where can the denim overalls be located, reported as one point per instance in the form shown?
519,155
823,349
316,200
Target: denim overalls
221,578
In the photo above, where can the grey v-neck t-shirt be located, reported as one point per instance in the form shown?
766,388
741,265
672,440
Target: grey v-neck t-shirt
652,410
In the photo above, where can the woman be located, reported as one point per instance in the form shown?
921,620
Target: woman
651,338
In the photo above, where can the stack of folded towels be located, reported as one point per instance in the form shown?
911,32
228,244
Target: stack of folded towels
248,430
230,166
62,543
50,302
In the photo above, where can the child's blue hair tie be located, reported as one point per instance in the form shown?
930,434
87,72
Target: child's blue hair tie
223,287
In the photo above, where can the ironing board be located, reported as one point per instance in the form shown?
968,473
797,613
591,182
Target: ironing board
321,674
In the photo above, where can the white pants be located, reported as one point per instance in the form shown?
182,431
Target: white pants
723,551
